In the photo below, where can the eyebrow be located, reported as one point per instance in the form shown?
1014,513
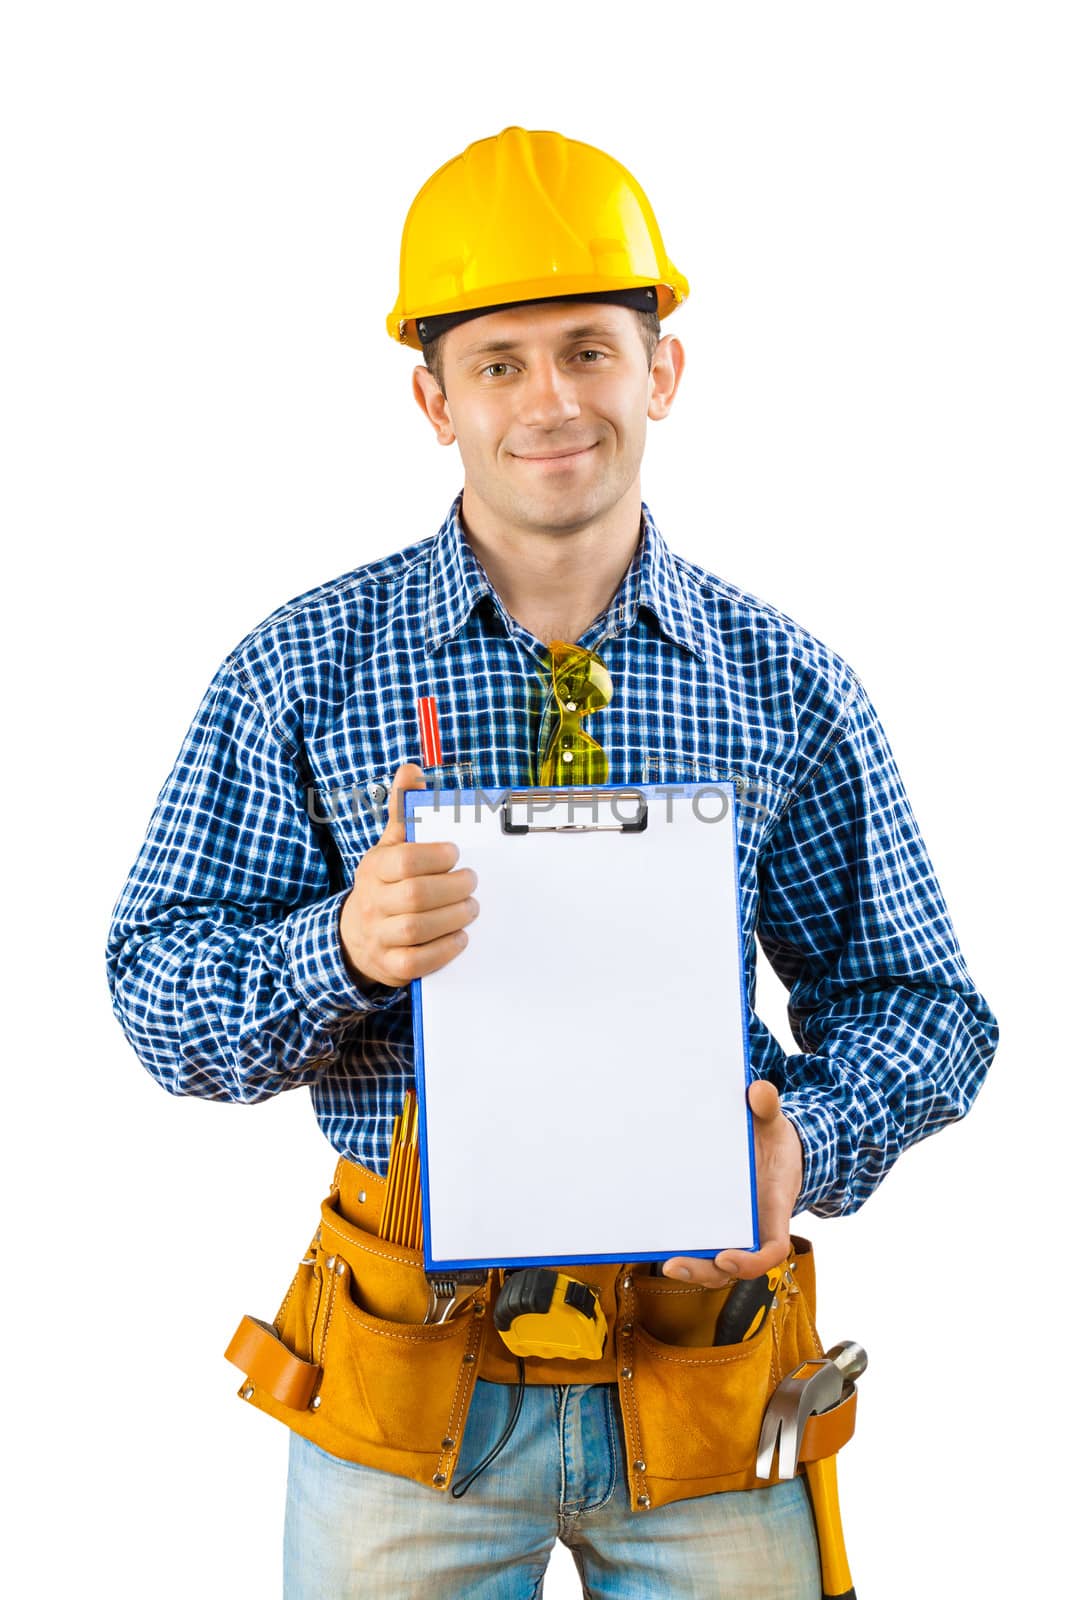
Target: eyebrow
585,330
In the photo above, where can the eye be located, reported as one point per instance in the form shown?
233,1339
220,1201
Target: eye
589,357
496,369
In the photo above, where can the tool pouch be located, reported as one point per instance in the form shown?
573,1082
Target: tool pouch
372,1382
349,1363
692,1409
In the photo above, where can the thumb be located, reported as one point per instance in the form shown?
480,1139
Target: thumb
763,1100
409,776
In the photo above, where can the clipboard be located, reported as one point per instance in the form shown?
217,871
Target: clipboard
582,1064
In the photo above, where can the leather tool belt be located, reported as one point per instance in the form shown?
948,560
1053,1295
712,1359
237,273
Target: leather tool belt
349,1363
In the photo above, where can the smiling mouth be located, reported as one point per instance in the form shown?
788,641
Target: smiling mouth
558,455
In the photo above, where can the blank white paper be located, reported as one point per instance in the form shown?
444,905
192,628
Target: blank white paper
583,1062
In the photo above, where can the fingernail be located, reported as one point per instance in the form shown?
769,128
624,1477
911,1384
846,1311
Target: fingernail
681,1272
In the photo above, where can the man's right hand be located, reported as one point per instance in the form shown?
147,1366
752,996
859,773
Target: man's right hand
406,911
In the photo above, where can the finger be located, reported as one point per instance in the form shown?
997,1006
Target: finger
763,1100
408,776
431,884
697,1269
424,862
418,961
418,928
754,1263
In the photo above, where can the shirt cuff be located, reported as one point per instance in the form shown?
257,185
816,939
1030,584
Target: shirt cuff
311,940
816,1122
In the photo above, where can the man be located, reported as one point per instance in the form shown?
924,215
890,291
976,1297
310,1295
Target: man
268,935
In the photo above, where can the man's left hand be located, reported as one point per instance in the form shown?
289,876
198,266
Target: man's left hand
779,1174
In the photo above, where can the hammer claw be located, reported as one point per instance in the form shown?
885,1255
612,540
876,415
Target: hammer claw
813,1386
789,1444
769,1437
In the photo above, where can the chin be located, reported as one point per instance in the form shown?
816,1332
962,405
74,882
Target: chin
564,515
566,509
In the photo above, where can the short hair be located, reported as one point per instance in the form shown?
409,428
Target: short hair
649,330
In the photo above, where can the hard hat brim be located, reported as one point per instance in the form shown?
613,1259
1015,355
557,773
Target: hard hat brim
403,325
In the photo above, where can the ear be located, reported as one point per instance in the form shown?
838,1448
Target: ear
432,403
668,364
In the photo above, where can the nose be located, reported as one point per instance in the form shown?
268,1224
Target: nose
548,396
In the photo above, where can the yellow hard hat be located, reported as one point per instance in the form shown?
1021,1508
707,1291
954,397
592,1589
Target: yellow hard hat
528,216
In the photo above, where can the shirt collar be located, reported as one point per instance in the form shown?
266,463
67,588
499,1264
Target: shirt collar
458,581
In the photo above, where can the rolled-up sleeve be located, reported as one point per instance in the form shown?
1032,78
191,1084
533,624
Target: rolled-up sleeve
895,1040
224,957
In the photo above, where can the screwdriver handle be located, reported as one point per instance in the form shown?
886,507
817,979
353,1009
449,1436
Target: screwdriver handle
746,1306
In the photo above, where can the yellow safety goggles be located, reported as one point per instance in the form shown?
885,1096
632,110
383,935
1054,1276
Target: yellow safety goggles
581,684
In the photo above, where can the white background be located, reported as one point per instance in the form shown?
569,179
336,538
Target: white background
203,417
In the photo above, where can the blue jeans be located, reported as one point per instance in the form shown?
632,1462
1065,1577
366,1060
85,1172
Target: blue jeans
353,1531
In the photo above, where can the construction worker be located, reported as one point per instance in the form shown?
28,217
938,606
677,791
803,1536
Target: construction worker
268,935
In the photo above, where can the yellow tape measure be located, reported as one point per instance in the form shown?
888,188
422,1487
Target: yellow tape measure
541,1312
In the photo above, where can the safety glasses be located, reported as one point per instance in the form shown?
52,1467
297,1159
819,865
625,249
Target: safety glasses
581,685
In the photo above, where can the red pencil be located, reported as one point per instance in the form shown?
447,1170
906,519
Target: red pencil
429,732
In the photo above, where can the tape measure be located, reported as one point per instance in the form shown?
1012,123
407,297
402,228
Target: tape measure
541,1312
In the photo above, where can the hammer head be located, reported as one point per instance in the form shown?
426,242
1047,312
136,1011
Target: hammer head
813,1386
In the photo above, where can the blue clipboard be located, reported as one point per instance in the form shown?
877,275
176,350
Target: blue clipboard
582,1064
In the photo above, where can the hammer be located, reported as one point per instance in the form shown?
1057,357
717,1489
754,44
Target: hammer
812,1387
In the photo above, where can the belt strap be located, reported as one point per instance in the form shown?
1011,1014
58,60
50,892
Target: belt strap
828,1431
268,1365
256,1349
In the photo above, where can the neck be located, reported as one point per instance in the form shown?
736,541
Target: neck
555,581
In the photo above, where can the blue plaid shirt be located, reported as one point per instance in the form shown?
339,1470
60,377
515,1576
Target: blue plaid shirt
224,957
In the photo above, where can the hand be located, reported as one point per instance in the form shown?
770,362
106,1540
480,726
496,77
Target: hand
406,911
779,1175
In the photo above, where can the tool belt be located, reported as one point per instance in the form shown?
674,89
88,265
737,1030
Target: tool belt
349,1363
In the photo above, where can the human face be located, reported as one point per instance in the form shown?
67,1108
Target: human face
549,406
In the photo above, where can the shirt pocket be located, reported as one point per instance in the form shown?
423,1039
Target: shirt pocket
354,808
760,797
